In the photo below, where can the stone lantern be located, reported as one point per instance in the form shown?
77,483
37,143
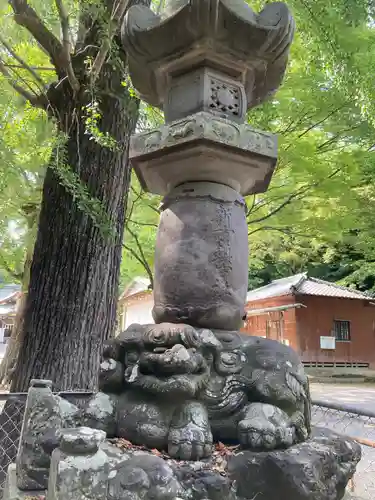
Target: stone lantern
191,380
205,63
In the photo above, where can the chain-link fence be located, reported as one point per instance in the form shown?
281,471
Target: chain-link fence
346,420
12,407
359,425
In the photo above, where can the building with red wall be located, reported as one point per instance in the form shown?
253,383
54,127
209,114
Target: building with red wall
327,324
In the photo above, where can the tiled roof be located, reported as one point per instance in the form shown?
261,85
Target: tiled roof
8,290
314,286
137,285
7,309
283,286
304,285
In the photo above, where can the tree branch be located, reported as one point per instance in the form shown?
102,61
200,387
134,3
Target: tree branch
156,210
293,125
323,146
316,124
9,270
64,21
118,12
284,230
319,25
289,199
39,101
23,64
331,113
296,195
35,68
26,16
147,224
143,257
134,202
264,203
249,210
143,263
139,195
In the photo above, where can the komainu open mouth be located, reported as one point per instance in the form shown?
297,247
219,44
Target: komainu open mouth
177,360
174,370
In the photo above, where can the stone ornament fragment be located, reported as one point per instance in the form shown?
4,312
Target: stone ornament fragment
79,468
40,434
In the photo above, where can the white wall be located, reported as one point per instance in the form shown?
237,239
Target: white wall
3,348
139,312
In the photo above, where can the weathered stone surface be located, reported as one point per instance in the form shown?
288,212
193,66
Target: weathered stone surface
81,441
254,391
143,476
82,470
45,416
39,436
200,147
205,90
100,410
210,258
318,469
226,35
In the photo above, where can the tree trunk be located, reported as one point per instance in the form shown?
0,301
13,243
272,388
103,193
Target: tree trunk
72,298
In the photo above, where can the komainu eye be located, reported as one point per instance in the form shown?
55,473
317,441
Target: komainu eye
131,357
229,358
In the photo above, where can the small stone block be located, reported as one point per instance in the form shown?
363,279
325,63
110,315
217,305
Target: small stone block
81,441
78,476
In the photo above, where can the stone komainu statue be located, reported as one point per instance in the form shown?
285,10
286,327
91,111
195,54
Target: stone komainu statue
178,388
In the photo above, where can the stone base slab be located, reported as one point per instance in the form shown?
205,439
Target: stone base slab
318,469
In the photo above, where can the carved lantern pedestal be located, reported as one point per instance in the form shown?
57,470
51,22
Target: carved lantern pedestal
205,63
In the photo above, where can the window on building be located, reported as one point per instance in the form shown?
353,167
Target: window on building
8,327
341,330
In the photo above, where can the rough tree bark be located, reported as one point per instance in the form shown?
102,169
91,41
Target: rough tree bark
71,302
